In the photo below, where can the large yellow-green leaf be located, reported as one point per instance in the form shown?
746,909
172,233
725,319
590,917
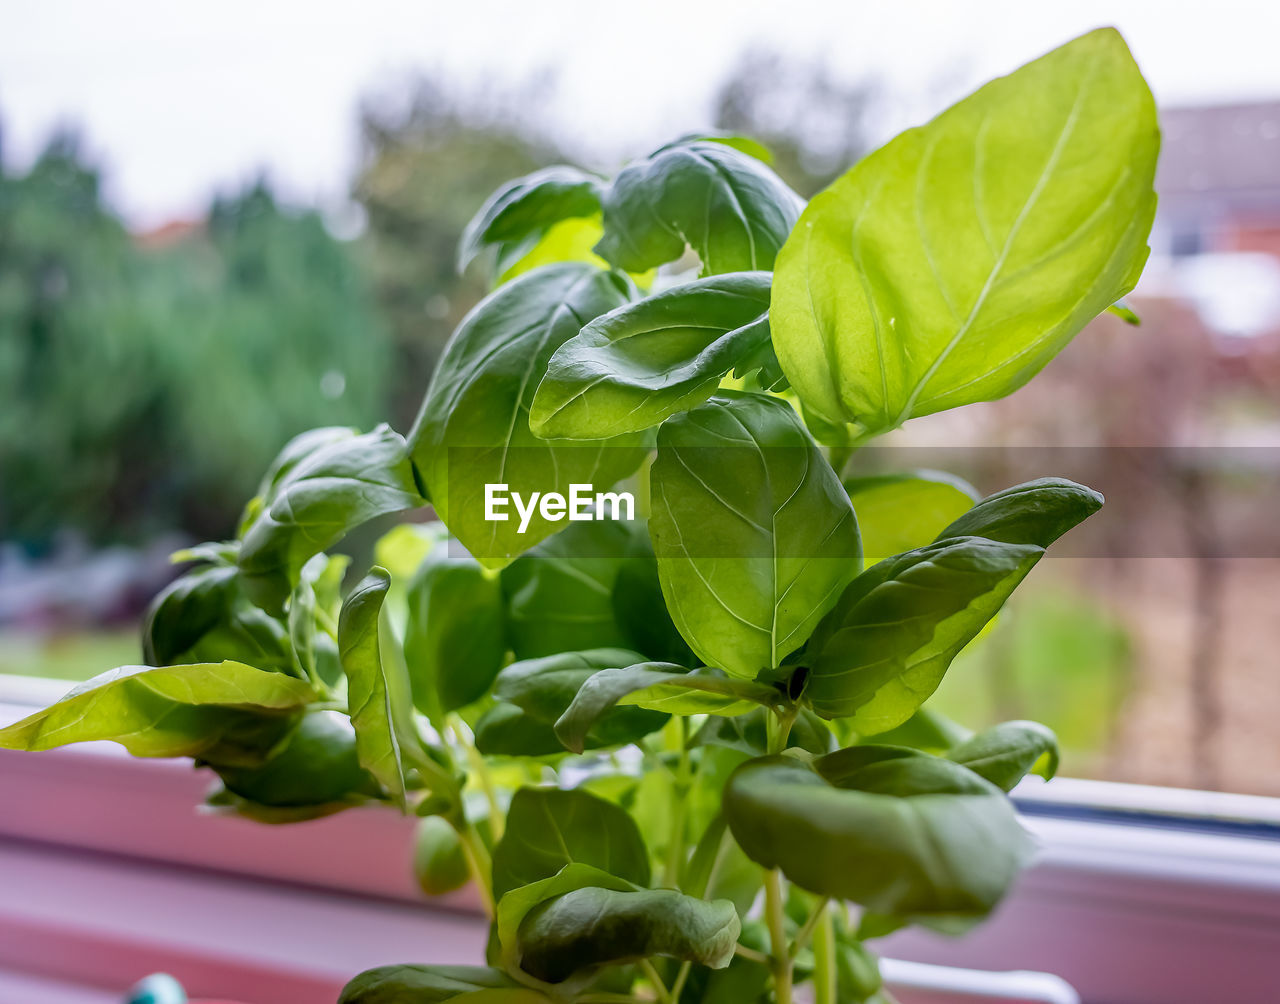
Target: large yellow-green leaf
952,264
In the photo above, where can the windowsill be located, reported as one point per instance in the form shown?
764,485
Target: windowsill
1138,894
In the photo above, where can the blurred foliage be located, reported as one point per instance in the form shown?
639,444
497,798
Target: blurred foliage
815,125
146,384
1057,656
67,655
426,166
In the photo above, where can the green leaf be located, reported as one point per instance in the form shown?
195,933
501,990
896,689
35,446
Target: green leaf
204,617
743,982
473,428
298,449
170,711
529,205
434,984
1004,754
730,208
658,686
506,730
455,635
952,264
313,609
857,972
222,802
640,609
884,647
515,904
316,765
403,548
898,512
545,688
326,494
548,829
568,240
749,733
592,926
754,535
892,829
1126,313
439,862
1038,512
629,369
559,595
926,730
379,693
743,144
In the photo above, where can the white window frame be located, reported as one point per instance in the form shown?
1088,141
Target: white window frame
1138,895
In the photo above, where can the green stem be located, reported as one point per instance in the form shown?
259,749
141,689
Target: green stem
713,874
838,457
481,865
781,957
676,835
824,958
802,935
779,728
659,988
481,770
751,955
677,988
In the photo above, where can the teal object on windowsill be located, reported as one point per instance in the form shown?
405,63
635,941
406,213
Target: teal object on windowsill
158,988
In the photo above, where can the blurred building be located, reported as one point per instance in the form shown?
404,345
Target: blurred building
1216,242
1219,179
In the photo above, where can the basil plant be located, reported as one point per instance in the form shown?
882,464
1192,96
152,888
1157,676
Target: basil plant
683,756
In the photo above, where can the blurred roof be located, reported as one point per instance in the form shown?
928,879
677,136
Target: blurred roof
1221,158
167,234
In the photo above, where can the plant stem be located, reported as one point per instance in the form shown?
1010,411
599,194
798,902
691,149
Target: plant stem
713,875
651,974
824,958
676,834
678,986
779,729
752,955
802,935
777,935
481,865
481,770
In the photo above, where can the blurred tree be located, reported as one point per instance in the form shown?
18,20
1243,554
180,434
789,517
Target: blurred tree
146,387
815,125
426,167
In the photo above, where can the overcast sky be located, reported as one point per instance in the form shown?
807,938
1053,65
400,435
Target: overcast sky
178,98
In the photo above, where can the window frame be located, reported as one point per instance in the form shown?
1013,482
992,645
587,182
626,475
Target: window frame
1137,894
